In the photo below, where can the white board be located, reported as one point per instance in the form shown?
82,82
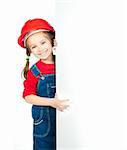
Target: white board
90,73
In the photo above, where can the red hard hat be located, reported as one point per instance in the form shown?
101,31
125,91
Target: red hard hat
32,25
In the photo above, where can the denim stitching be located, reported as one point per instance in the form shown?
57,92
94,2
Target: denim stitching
39,120
48,124
50,85
53,86
48,89
38,84
48,129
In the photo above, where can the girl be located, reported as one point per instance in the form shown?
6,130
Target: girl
38,37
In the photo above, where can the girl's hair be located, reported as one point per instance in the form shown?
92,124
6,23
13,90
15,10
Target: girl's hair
26,68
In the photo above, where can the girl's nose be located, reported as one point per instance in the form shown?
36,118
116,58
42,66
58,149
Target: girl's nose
40,49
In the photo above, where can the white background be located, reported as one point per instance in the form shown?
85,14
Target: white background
91,71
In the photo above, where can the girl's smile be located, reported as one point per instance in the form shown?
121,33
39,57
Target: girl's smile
40,45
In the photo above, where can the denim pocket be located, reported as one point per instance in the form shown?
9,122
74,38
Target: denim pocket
37,114
51,90
41,121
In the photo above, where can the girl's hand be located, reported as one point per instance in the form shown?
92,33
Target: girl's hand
55,42
60,104
54,47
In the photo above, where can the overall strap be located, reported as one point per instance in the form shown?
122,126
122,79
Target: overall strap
36,72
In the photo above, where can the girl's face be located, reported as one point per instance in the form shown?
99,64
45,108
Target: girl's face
40,45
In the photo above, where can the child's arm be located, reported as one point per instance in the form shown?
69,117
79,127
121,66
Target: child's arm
45,101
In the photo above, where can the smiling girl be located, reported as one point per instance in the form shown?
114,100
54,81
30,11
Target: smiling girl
38,37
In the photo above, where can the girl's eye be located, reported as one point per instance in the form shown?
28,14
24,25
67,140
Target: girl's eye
43,42
33,47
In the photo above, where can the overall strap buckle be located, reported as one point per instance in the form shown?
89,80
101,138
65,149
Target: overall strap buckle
36,72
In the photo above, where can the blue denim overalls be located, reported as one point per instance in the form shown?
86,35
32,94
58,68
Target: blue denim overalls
44,117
